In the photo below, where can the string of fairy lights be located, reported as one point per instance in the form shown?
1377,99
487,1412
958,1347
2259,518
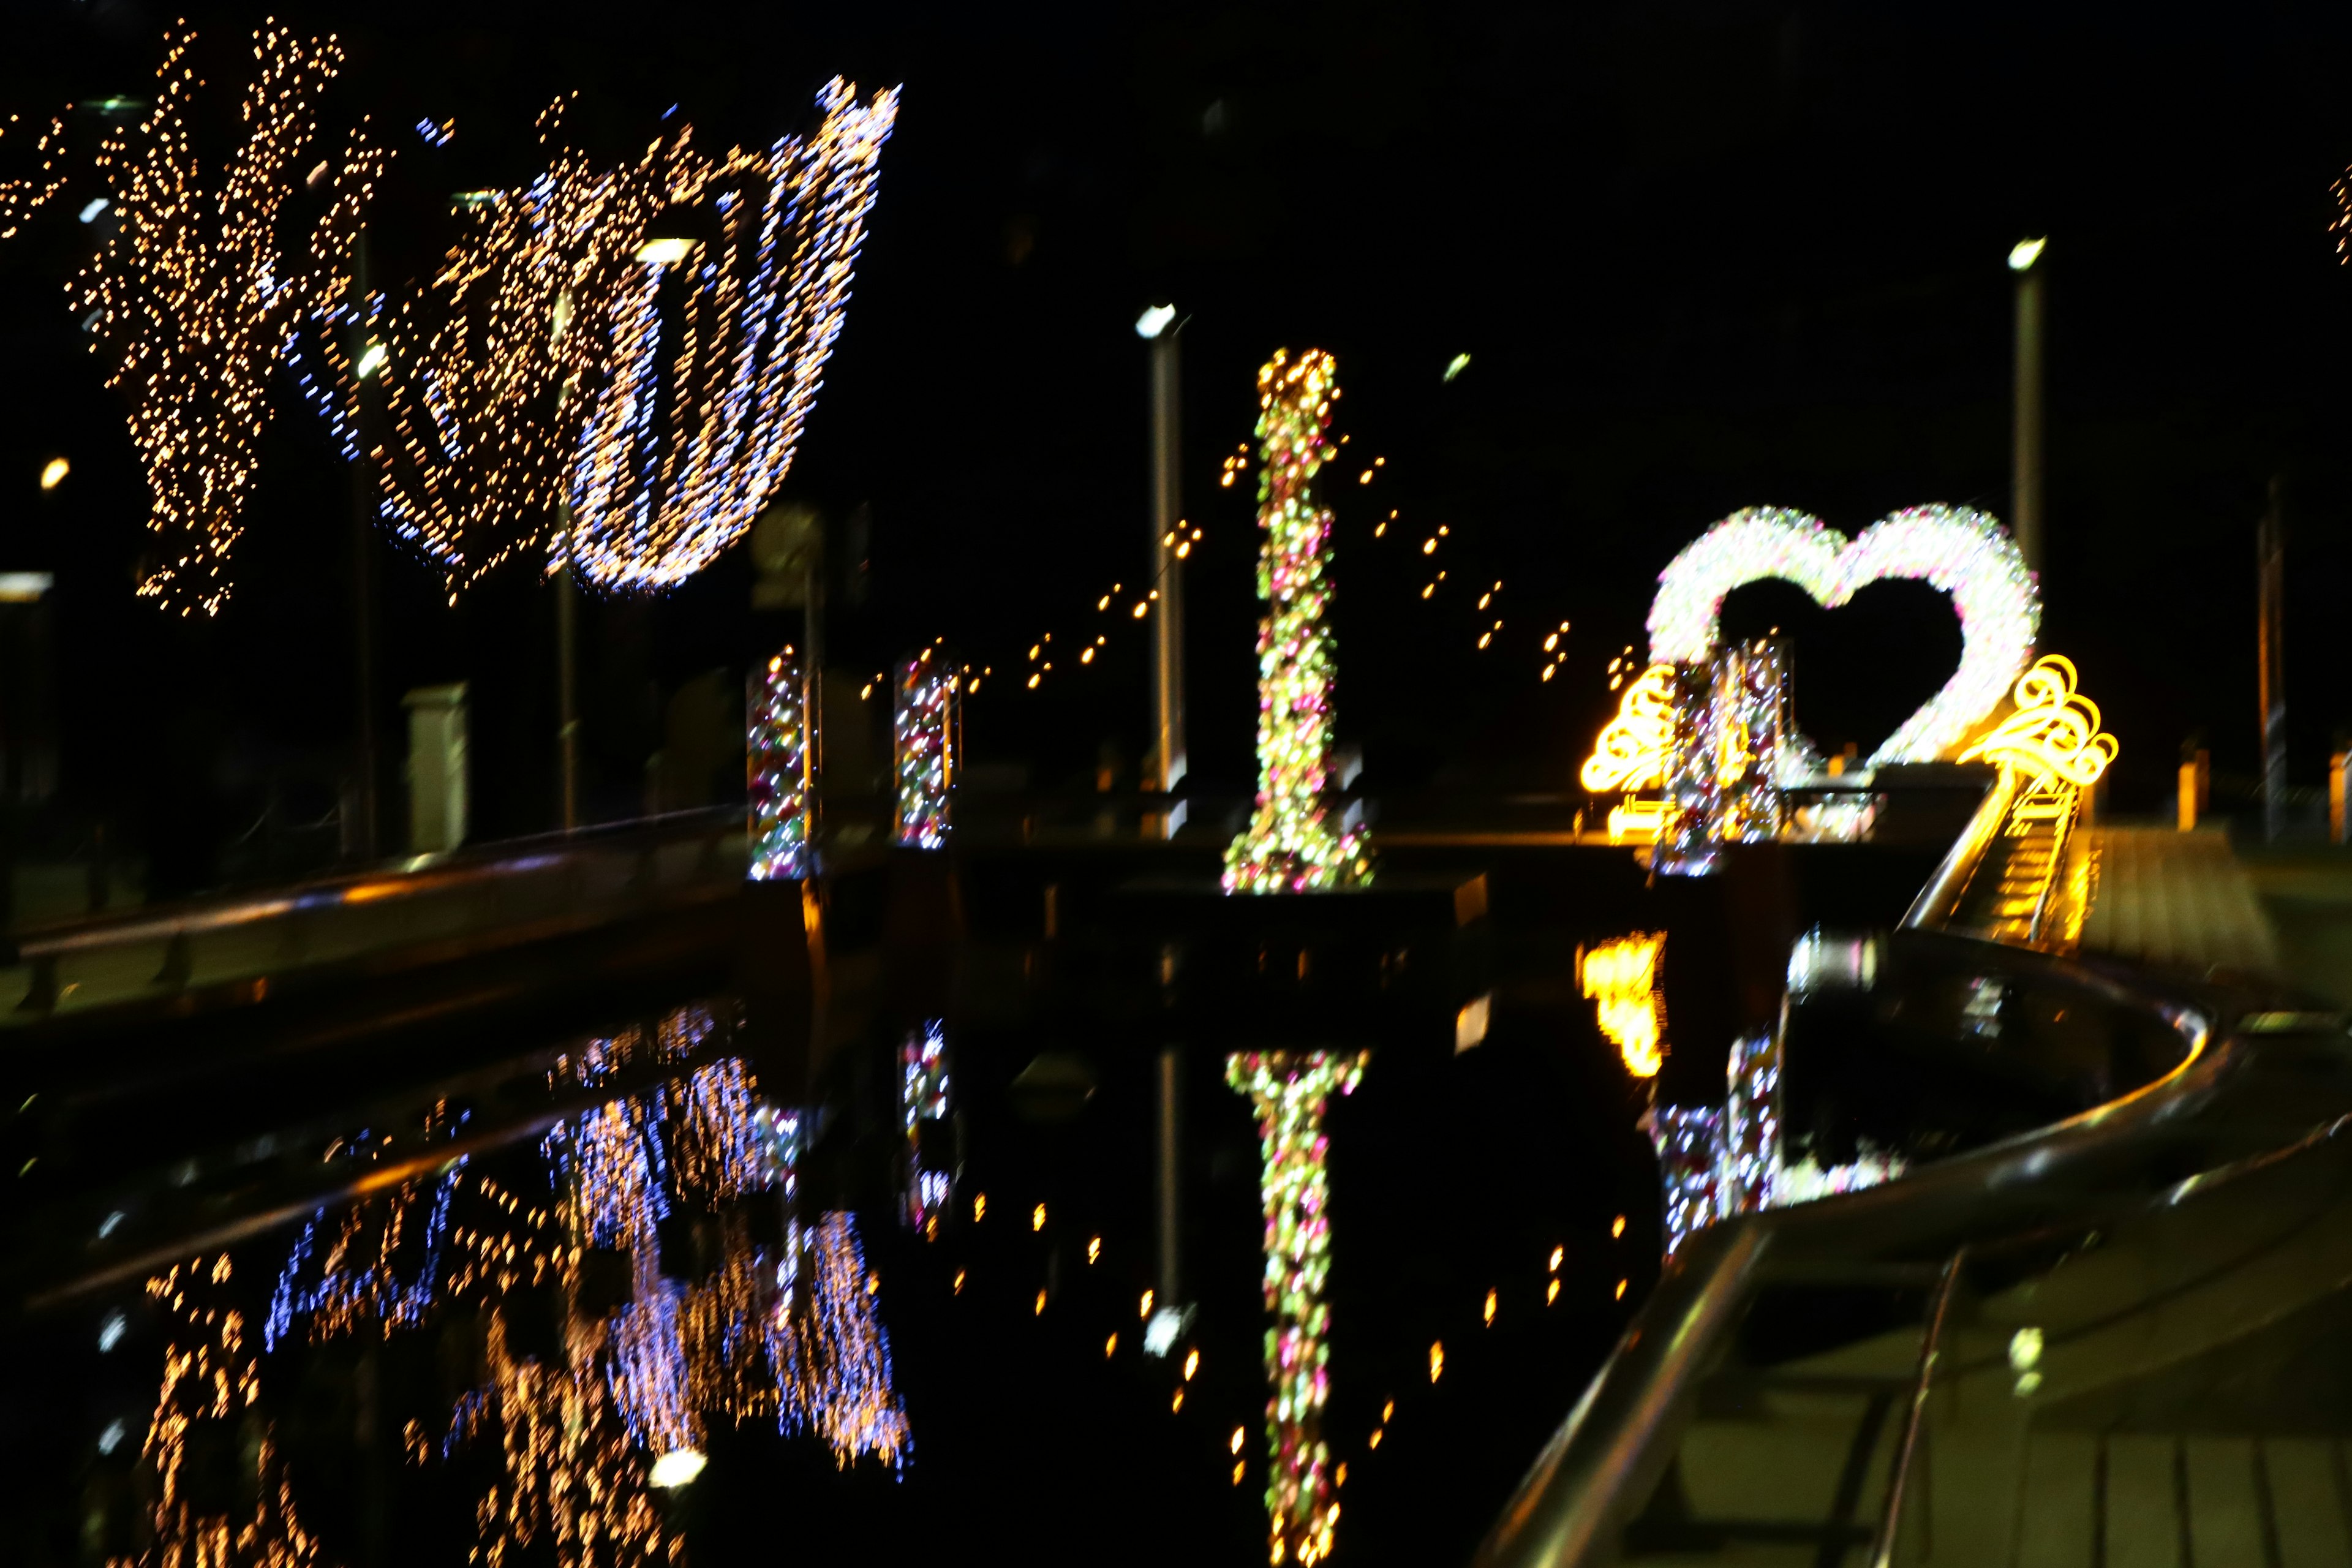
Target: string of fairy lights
536,399
479,372
524,384
21,199
190,295
762,316
1089,641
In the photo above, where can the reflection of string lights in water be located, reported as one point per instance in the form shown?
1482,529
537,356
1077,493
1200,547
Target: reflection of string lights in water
1290,845
923,1097
1622,977
1289,1091
349,1292
647,1348
834,1363
211,1383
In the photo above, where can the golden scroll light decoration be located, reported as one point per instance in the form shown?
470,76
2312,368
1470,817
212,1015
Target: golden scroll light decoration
2053,735
1631,753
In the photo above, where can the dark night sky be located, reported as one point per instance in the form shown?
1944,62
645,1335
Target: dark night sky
1703,256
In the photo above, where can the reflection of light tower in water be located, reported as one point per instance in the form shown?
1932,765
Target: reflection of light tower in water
1291,846
1290,1090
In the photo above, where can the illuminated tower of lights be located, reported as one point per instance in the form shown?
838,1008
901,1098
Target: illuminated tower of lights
1290,1090
926,749
1291,846
777,767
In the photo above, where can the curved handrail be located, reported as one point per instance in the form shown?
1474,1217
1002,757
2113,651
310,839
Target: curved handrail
1937,900
1615,1444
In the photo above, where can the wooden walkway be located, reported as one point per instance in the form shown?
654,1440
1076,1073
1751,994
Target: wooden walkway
2176,900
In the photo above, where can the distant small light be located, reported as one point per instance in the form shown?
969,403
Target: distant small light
1456,365
371,360
110,1332
1154,321
678,1467
1037,1217
112,1438
2025,253
94,209
665,251
53,473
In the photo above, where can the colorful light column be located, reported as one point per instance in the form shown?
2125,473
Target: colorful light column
778,766
1291,846
1290,1091
927,748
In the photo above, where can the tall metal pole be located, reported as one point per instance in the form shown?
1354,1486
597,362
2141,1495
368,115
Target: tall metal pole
1167,566
567,733
2025,452
2271,552
1170,1171
362,840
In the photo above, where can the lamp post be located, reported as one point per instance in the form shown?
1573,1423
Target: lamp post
360,839
2270,549
2025,449
1158,327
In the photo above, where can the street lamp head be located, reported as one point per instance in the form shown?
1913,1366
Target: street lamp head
667,251
670,239
1154,321
2024,254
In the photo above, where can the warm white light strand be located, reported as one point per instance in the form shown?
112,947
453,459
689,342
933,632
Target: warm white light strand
761,314
192,298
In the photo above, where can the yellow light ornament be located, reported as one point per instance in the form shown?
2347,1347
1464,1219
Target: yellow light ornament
1622,977
2053,734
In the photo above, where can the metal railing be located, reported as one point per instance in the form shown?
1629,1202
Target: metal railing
1603,1464
1600,1468
561,865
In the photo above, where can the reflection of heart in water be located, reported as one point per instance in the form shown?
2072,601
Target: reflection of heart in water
1858,671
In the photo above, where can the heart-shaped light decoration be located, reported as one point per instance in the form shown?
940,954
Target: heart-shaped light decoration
1960,550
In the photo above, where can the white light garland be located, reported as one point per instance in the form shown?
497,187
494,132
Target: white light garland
761,314
532,369
1962,551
